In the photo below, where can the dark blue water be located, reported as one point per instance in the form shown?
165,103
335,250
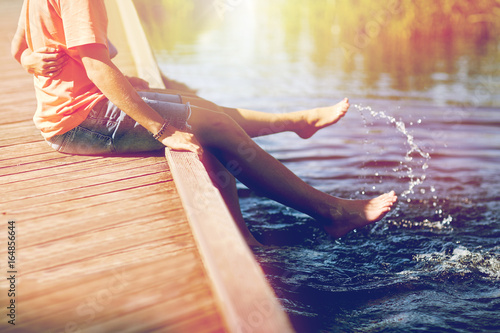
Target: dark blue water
433,264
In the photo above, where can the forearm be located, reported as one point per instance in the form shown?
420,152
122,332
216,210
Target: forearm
18,45
115,86
27,61
21,52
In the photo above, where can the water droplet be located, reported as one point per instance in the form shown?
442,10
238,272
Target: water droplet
433,189
422,190
448,220
411,154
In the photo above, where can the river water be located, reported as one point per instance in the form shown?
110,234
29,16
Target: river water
425,123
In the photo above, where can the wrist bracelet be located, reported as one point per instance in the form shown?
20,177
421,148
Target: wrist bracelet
161,131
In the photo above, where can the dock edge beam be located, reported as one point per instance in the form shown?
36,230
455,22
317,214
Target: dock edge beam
247,301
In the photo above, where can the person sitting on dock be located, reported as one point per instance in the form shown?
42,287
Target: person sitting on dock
87,106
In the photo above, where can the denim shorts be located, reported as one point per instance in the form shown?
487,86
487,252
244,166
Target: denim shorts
108,130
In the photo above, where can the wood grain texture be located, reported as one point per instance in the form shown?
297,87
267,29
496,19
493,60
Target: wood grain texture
102,243
246,299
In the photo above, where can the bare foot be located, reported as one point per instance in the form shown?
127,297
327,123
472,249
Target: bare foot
315,119
353,214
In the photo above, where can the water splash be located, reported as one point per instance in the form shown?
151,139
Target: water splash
444,224
413,150
460,261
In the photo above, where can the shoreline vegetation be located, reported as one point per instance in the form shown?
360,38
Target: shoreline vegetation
393,19
410,40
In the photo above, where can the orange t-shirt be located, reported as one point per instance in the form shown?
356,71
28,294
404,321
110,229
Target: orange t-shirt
65,100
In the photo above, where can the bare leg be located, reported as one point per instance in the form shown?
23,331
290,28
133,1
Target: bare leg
226,184
258,170
255,123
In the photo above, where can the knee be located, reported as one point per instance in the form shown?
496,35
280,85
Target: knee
219,128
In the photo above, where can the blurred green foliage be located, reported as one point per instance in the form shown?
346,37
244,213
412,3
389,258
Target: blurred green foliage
393,18
406,18
408,39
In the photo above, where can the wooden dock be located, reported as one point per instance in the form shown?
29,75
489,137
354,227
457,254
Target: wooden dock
107,244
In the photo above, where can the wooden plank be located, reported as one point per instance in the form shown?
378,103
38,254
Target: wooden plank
60,262
19,166
88,166
136,315
63,195
71,222
103,243
89,225
138,302
51,182
14,133
24,149
70,209
246,299
120,238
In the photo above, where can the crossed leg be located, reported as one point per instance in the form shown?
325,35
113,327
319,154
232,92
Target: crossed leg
226,184
226,133
255,123
220,134
304,123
